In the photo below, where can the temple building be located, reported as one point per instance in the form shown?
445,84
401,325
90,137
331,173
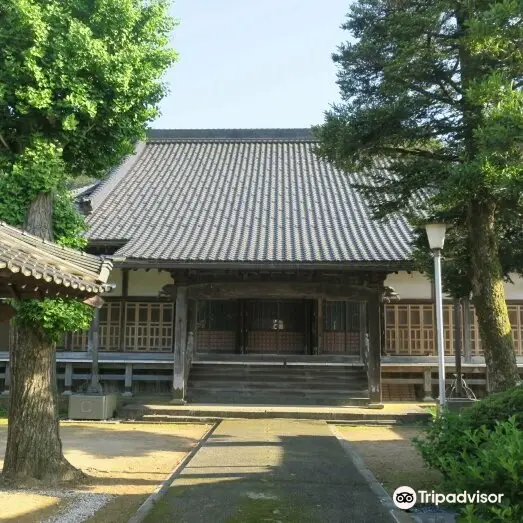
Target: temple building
249,270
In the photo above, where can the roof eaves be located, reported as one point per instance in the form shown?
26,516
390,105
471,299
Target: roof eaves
18,239
134,263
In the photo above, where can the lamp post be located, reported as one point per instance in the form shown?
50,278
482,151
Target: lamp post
436,236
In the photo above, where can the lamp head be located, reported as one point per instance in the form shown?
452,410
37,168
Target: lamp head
436,235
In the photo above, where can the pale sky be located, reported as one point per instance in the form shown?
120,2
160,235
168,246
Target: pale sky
253,63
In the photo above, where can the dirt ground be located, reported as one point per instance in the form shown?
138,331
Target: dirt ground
127,461
388,452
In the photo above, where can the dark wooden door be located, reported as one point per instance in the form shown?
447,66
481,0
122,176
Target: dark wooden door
275,326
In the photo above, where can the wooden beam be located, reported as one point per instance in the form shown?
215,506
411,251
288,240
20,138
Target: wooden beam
232,291
374,358
180,341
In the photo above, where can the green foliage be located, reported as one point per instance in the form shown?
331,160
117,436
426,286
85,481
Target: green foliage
449,431
56,316
432,115
79,82
69,225
481,449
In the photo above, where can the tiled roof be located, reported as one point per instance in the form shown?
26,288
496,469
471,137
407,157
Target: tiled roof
239,196
35,261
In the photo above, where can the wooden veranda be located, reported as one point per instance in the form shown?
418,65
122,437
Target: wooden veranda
279,313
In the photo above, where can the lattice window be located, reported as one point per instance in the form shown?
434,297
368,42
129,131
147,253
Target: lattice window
78,341
341,323
410,329
515,313
109,332
148,327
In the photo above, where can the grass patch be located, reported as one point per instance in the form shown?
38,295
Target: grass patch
389,453
431,409
3,412
248,510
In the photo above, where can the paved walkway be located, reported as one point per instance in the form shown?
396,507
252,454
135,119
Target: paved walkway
273,470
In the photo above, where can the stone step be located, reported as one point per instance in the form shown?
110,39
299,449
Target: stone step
276,377
276,385
276,368
349,415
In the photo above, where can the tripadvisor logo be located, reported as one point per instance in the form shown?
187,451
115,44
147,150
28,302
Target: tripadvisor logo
406,497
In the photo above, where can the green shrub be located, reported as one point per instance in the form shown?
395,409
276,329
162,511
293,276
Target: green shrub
496,466
481,448
499,406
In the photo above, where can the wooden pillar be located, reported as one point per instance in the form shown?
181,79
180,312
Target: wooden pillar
128,383
68,381
93,344
467,327
427,386
382,329
123,308
363,329
239,326
374,361
457,344
180,342
319,328
7,380
308,329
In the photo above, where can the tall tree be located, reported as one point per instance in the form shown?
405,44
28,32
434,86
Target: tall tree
432,116
79,81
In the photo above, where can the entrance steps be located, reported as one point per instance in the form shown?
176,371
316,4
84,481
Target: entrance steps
277,383
138,410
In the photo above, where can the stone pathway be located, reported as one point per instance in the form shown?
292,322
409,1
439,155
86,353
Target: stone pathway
273,470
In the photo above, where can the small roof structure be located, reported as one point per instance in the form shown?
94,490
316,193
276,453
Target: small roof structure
34,268
223,197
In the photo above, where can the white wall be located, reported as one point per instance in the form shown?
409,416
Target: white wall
413,286
514,291
147,283
417,286
116,278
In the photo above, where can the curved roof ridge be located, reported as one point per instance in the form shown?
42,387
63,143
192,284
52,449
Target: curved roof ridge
261,134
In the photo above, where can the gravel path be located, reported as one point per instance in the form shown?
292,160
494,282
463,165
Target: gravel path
78,506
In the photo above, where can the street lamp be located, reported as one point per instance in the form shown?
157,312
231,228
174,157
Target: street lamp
436,236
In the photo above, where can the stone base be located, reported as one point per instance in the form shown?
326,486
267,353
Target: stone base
127,394
459,404
178,401
92,406
375,406
428,399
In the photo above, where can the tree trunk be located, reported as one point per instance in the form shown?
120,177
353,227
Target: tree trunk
489,300
39,217
34,448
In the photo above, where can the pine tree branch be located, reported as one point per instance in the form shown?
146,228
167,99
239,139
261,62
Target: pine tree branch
420,153
4,143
